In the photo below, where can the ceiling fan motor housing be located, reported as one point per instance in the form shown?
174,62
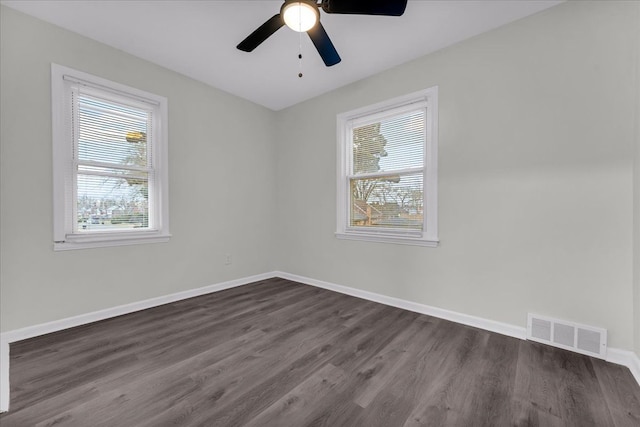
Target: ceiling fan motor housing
292,12
311,3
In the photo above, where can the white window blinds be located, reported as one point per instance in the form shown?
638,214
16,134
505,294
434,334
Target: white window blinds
386,173
112,162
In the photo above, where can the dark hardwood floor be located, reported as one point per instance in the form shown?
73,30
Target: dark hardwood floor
278,353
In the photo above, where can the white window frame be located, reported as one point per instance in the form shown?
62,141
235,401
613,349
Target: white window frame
428,236
63,79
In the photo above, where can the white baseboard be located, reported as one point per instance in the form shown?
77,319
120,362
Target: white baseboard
621,357
625,358
465,319
614,355
4,375
7,338
634,366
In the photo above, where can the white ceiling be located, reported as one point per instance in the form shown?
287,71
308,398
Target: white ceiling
199,38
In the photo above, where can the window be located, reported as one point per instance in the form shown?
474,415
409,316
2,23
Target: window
109,162
387,171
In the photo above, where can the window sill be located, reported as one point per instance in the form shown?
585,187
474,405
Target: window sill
380,238
110,241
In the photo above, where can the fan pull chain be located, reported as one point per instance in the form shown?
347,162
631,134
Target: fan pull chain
300,55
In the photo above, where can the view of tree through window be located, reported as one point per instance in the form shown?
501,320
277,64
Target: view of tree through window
386,180
113,165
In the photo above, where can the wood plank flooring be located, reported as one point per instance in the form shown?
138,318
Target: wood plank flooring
279,353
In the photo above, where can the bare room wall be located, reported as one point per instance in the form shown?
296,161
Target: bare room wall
535,175
221,184
636,194
538,122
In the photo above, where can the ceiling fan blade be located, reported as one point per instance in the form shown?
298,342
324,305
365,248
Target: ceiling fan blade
261,34
368,7
322,42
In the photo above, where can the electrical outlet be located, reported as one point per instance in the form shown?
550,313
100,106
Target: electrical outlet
227,259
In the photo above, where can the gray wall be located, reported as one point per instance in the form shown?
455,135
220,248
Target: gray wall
636,194
535,175
222,183
636,218
537,131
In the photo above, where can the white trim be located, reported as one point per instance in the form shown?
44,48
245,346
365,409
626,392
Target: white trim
4,374
110,241
108,86
385,174
61,152
430,198
426,99
625,358
614,355
385,109
64,170
381,238
58,325
465,319
83,319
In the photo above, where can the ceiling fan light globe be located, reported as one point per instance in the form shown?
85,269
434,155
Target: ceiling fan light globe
300,16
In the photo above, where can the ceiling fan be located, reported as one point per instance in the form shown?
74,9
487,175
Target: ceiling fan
304,16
